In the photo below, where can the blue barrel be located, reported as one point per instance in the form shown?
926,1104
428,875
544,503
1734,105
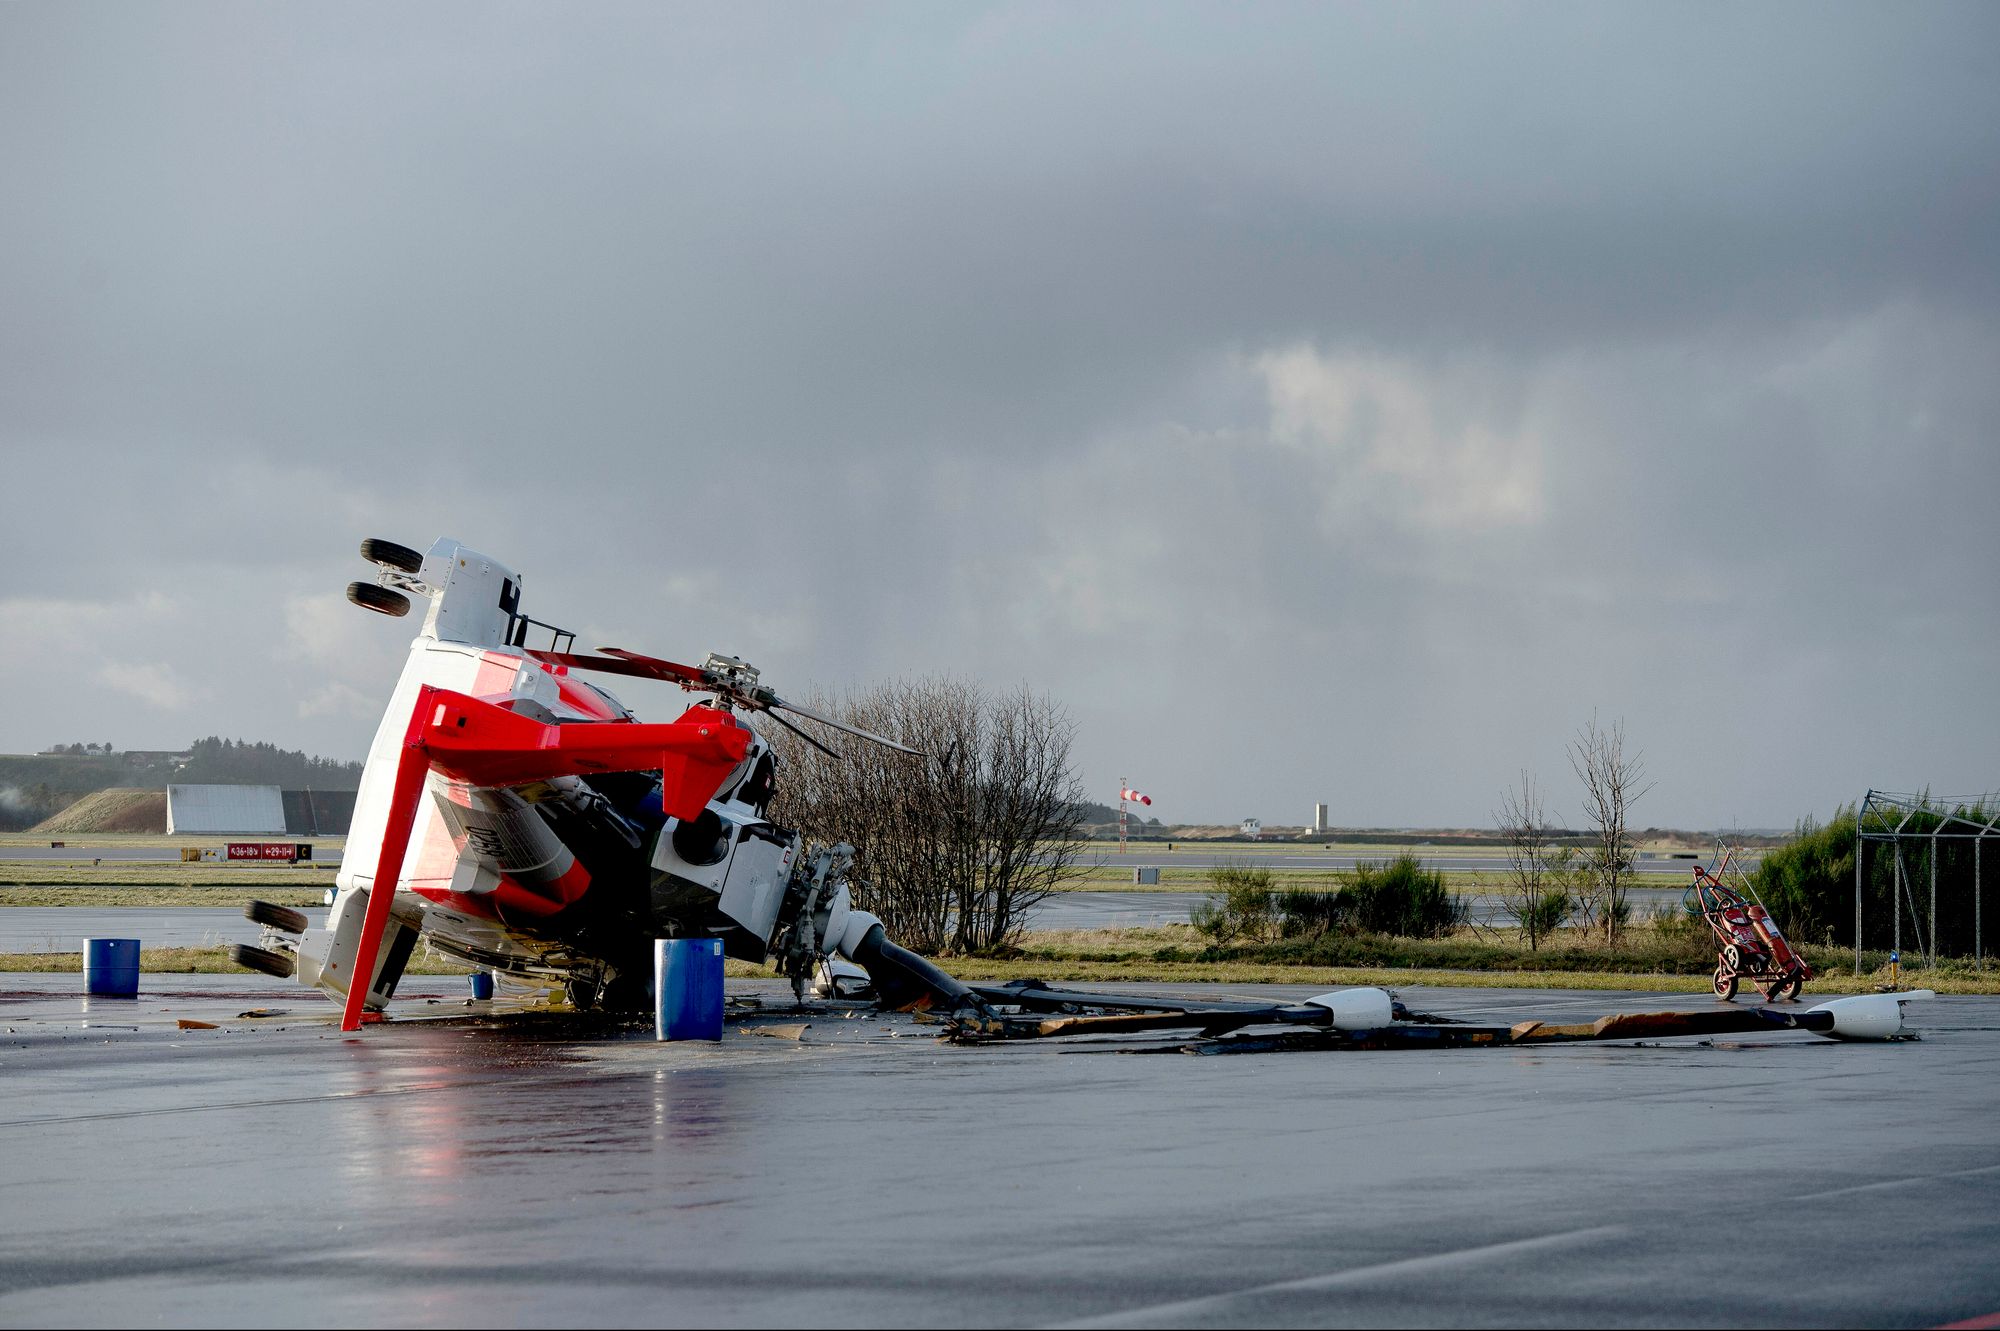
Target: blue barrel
482,985
687,987
111,966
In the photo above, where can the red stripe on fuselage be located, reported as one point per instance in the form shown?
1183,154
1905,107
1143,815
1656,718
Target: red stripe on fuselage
511,901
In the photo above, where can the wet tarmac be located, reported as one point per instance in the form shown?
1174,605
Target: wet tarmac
525,1170
63,928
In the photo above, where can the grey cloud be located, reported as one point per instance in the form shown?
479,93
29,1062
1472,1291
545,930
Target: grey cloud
894,338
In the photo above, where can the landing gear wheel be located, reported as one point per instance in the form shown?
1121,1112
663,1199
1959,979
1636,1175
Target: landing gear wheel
1725,984
1788,989
381,600
280,964
387,553
282,918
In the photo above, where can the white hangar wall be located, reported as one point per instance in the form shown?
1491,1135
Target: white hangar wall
225,809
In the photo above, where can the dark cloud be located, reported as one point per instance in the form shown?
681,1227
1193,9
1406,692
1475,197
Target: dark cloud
1327,403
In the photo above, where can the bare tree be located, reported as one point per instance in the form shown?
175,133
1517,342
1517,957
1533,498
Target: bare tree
1538,892
957,845
1612,783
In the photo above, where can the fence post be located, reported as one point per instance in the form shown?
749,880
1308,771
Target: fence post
1896,945
1860,857
1934,845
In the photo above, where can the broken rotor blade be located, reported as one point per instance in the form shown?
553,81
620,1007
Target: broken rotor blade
842,726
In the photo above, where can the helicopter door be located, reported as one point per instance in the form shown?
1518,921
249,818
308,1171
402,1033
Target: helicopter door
755,889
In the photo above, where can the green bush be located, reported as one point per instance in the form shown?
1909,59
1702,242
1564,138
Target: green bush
1246,908
1546,915
1403,899
1680,925
1312,914
1808,884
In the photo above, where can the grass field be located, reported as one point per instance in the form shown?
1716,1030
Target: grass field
83,841
99,897
114,877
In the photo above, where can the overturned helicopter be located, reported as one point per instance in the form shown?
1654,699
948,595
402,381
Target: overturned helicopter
520,818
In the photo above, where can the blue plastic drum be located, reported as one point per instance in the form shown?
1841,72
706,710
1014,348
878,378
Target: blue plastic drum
482,985
687,987
111,966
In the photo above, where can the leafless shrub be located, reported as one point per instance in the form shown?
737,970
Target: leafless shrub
1612,783
957,845
1538,892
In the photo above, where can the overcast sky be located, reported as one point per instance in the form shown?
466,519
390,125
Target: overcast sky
1323,402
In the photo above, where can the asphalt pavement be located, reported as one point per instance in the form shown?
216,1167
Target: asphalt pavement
63,928
521,1170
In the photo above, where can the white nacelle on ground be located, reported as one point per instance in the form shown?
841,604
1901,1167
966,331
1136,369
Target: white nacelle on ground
1869,1016
1358,1009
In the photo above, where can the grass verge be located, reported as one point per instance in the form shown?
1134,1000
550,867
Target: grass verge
232,895
30,874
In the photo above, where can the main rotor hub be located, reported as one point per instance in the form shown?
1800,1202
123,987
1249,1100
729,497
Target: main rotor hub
733,679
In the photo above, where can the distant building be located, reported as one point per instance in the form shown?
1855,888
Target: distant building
225,809
1318,823
1253,828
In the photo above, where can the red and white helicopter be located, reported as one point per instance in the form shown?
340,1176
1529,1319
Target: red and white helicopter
518,817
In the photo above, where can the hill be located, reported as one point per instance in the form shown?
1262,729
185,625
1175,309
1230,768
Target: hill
116,809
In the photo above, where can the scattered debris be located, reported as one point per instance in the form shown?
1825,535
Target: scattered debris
1371,1019
190,1024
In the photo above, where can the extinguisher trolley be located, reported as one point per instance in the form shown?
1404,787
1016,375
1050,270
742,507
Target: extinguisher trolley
1748,945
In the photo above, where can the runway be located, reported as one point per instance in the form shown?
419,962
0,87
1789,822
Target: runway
523,1172
1185,855
1197,855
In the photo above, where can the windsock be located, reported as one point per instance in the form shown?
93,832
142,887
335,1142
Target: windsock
1134,797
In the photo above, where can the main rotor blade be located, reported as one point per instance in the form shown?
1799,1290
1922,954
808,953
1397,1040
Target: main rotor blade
692,675
628,663
842,726
834,754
